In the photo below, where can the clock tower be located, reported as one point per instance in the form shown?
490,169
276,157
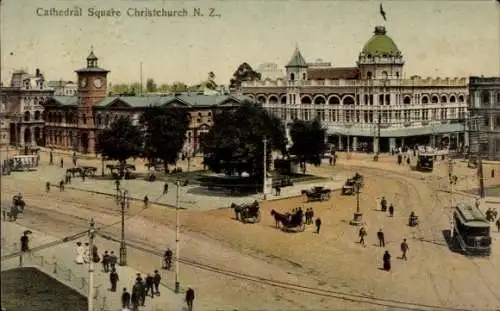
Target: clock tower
92,88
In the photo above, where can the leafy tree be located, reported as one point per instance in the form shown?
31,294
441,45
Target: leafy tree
165,133
234,144
244,73
308,141
164,88
151,85
120,88
178,87
121,141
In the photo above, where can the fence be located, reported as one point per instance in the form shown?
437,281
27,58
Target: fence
60,272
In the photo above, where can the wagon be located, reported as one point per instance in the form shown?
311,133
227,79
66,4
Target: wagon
317,194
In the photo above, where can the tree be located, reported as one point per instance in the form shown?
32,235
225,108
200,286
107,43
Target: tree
234,144
121,141
151,85
244,73
165,133
120,88
308,141
178,87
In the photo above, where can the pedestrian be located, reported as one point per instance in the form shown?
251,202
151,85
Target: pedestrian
105,262
190,298
318,225
165,189
311,215
146,201
62,163
112,260
391,210
74,158
330,160
278,190
334,159
498,224
381,238
47,186
408,160
387,261
69,178
113,278
83,176
51,156
149,285
25,242
404,249
125,299
492,173
117,184
134,299
362,234
61,185
156,280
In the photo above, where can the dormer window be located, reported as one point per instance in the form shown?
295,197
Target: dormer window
303,76
292,77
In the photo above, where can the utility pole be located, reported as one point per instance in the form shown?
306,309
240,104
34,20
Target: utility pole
177,236
264,186
90,298
358,216
477,135
123,199
451,179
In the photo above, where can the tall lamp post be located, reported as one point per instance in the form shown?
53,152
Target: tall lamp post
123,199
90,299
264,183
358,216
178,183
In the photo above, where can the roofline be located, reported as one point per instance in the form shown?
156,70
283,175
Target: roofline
91,70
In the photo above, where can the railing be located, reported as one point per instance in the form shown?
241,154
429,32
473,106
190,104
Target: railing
62,273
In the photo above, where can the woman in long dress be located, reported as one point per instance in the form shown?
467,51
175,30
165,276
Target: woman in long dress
80,251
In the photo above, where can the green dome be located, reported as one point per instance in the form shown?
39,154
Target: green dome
380,44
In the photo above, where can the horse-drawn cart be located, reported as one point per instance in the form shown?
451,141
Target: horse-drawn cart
317,194
291,222
352,184
247,213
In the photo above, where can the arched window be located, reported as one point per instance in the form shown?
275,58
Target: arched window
334,100
306,100
320,100
292,76
434,99
425,100
27,116
452,99
303,76
348,100
37,115
460,98
261,99
444,99
407,100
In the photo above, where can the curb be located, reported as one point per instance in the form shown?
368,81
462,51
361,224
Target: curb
112,195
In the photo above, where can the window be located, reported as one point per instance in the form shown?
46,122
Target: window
292,77
303,76
452,99
497,122
388,99
84,118
37,115
444,99
407,100
486,97
425,100
369,75
434,99
27,116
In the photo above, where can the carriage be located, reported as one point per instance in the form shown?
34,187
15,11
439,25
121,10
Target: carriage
116,171
247,213
317,194
353,184
290,221
89,170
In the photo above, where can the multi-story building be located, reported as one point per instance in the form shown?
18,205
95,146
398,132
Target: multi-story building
270,70
63,88
485,103
74,122
22,105
370,106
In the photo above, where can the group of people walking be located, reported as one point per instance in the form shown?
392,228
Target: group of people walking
140,290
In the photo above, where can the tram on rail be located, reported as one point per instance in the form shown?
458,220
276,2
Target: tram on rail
471,230
425,161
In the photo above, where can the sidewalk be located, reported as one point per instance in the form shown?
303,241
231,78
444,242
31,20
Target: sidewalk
59,262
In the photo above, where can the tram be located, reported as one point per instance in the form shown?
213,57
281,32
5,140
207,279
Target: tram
425,161
471,232
23,163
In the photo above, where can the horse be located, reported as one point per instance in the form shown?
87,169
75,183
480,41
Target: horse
237,210
279,218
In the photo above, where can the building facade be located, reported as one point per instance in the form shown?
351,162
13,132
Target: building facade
485,103
63,88
74,122
370,106
22,105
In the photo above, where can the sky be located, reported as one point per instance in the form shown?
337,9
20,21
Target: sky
439,38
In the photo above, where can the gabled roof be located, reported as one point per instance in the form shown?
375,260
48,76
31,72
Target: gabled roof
63,100
297,59
333,73
184,99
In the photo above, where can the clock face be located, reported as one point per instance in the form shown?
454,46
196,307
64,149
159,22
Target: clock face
83,82
97,83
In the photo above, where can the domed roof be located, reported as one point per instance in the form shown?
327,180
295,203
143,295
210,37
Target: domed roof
381,44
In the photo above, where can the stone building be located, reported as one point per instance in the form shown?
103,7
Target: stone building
370,106
485,103
23,109
74,122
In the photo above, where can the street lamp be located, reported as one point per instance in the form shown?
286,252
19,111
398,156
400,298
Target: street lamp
264,184
358,216
178,183
90,298
122,198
